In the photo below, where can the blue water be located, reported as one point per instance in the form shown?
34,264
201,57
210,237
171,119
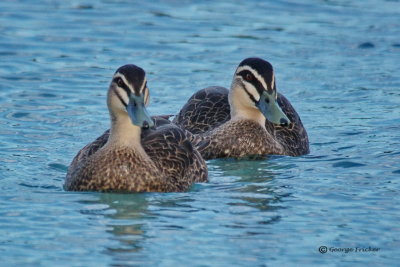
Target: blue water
336,61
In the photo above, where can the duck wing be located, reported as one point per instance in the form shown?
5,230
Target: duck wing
205,110
100,141
208,108
294,138
173,153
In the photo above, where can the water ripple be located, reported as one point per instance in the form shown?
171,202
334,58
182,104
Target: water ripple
335,60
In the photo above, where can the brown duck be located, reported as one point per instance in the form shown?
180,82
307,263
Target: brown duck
135,156
250,119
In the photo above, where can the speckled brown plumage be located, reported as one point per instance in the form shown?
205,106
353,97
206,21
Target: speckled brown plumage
172,164
205,110
237,139
207,115
293,138
139,153
159,143
118,169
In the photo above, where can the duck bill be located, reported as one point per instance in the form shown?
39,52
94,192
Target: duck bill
271,110
138,113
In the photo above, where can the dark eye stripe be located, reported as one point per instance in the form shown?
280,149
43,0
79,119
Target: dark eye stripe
250,95
123,85
257,84
120,98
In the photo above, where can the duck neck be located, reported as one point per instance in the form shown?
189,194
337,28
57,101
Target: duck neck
124,133
241,111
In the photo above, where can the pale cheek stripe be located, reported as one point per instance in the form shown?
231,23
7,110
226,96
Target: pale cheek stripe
143,89
273,81
249,95
252,90
144,86
255,73
146,96
125,81
120,97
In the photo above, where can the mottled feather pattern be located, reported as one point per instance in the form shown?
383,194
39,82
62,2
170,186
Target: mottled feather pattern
222,142
88,150
175,155
174,164
197,168
119,169
205,110
293,138
206,115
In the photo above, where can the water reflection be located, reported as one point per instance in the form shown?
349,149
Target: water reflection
252,187
123,214
243,198
253,171
52,93
133,219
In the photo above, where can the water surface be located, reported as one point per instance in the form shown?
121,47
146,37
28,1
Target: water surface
336,61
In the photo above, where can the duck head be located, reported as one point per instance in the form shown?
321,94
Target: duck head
253,91
128,95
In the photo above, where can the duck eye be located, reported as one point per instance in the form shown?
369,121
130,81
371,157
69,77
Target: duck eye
248,77
119,82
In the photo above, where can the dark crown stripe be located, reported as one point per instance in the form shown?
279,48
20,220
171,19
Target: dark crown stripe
124,86
257,84
134,76
263,68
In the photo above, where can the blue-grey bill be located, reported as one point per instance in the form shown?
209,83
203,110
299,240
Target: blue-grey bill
271,110
138,113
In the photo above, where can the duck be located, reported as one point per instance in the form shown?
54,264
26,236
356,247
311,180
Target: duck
252,119
139,153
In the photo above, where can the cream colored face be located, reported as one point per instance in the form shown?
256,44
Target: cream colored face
247,86
129,95
253,87
121,89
